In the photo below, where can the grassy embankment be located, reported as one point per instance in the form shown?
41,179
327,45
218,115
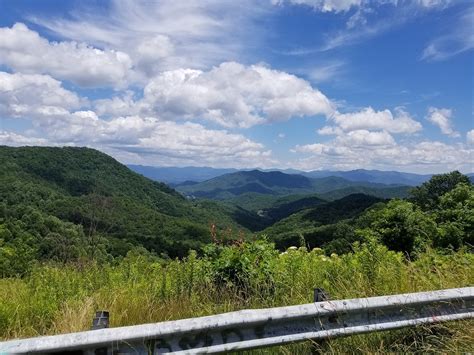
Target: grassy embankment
142,289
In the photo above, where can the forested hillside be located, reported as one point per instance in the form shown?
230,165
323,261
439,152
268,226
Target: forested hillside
439,213
67,203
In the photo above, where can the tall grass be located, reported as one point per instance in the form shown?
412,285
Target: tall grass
57,299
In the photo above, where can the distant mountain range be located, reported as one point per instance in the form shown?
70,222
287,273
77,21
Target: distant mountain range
173,175
189,175
259,183
382,177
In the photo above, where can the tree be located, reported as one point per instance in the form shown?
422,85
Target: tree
402,226
428,194
455,217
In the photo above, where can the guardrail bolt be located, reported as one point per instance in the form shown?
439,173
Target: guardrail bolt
320,295
101,320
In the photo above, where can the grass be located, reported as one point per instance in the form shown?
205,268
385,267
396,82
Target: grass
56,299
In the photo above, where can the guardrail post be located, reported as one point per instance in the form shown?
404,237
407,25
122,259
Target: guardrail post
320,295
101,320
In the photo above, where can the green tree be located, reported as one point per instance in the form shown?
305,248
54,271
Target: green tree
428,194
401,226
455,217
17,250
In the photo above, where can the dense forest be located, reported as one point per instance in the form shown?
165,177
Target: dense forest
68,203
76,226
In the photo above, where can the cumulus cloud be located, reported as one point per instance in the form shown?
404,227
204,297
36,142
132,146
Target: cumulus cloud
17,140
233,95
60,117
363,137
410,156
162,142
34,95
363,140
122,105
441,117
22,49
369,119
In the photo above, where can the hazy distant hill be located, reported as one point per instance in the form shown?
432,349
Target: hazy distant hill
174,175
380,192
230,186
383,177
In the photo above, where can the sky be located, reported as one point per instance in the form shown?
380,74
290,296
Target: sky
303,84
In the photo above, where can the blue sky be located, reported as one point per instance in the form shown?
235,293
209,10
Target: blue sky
305,84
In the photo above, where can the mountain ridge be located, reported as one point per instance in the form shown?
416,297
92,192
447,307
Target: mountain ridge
231,185
177,175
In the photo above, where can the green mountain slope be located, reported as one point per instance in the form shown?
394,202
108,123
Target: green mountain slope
317,225
380,192
100,199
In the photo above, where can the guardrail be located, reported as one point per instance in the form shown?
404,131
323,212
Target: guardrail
248,329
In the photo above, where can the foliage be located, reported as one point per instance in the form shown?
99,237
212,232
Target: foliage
245,266
322,224
428,194
455,217
141,288
401,226
69,203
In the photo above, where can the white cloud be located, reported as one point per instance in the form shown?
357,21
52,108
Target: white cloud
368,18
155,141
363,137
329,131
14,139
34,95
168,34
233,95
434,3
370,119
470,137
346,5
123,105
325,72
324,5
441,117
410,156
25,50
456,39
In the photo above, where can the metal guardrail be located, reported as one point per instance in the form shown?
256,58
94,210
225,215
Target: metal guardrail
248,329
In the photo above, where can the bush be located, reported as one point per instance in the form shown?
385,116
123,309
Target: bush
243,266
